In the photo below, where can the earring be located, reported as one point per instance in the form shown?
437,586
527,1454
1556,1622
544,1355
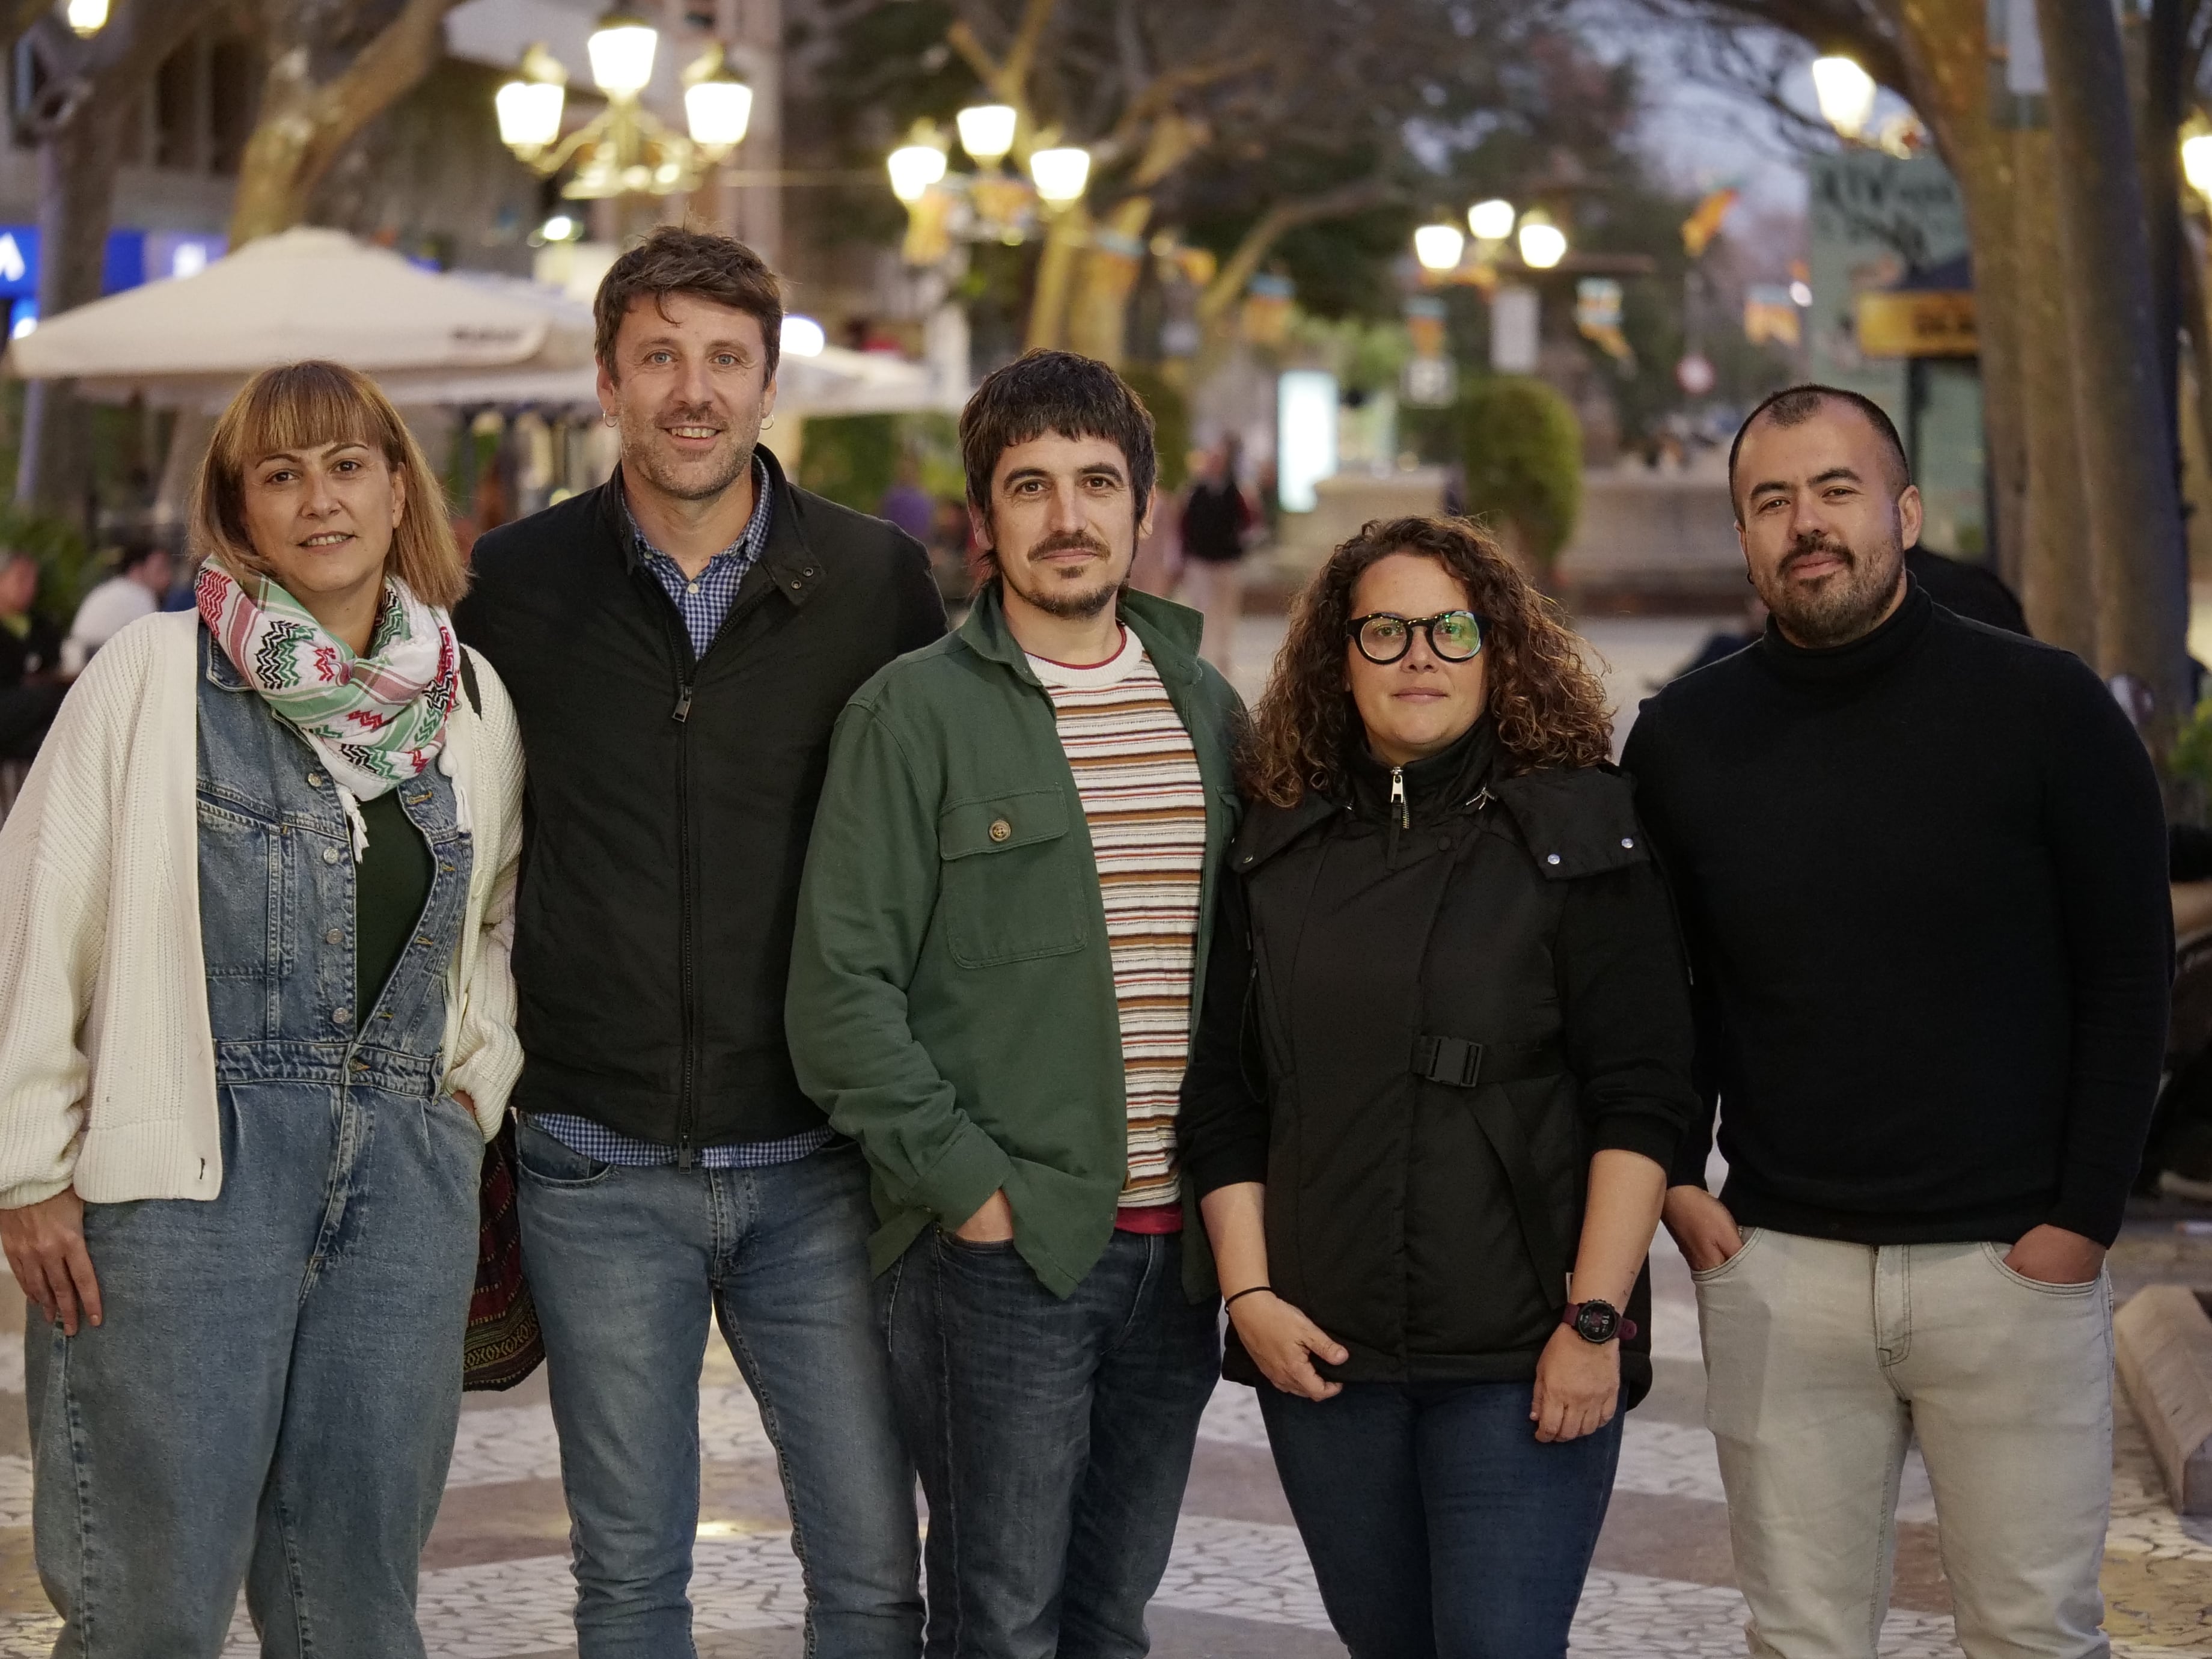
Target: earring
768,424
610,420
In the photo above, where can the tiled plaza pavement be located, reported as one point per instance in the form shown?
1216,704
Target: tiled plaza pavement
495,1583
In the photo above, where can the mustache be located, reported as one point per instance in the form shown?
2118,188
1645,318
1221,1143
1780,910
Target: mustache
1068,541
1815,543
692,415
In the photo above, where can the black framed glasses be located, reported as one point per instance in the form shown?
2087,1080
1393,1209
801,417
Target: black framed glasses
1382,637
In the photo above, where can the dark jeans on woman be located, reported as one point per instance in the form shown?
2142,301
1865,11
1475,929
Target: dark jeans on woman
1439,1526
1054,1438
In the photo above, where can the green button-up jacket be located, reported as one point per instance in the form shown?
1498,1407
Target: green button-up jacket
951,997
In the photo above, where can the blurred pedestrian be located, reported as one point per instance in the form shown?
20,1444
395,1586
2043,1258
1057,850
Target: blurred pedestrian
907,504
679,641
1436,861
1217,523
1973,591
1922,869
142,575
30,646
271,848
992,990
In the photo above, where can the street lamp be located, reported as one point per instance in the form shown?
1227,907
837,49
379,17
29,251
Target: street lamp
986,131
87,17
621,50
625,149
1543,244
914,168
1060,174
1438,247
802,337
1491,221
1845,92
2196,163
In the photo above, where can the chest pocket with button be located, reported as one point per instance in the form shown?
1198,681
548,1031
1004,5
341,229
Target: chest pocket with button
1014,886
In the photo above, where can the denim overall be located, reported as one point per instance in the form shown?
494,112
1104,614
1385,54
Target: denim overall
272,1395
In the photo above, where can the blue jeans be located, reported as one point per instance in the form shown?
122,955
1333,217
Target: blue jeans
1054,1439
625,1265
1439,1526
272,1394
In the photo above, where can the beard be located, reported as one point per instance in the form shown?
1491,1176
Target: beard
645,447
1838,608
1070,598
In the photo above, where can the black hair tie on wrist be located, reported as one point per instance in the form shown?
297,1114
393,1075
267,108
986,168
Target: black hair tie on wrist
1241,1295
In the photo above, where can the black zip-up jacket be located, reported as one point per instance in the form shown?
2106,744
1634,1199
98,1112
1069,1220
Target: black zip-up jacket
1423,1201
670,799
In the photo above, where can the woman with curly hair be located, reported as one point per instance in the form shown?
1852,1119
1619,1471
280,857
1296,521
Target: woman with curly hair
1444,1062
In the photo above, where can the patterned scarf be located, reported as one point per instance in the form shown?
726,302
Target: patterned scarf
376,721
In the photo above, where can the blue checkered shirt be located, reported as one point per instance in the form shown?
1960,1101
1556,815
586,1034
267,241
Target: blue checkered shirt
704,603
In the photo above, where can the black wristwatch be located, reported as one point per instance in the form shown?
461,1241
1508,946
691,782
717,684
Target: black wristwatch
1596,1322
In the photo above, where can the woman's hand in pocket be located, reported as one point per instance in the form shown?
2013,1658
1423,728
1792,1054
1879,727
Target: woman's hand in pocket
44,1242
1577,1387
1282,1343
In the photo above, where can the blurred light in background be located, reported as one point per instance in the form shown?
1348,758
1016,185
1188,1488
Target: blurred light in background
529,113
914,169
1438,247
718,110
1491,221
986,131
1060,174
1801,293
2196,163
803,336
621,49
1306,435
1845,92
87,17
1543,244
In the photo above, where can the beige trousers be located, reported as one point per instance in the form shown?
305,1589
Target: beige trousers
1216,589
1824,1360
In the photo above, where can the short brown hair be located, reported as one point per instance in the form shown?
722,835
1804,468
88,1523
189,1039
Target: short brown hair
1042,392
304,406
674,260
1547,706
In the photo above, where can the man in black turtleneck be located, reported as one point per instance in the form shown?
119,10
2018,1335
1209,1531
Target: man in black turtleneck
1921,869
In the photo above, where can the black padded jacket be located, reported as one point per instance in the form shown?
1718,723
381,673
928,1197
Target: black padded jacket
1421,1024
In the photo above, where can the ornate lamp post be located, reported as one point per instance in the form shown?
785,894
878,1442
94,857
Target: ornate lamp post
625,149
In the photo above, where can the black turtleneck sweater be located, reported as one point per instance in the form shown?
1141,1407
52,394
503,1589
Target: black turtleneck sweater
1923,878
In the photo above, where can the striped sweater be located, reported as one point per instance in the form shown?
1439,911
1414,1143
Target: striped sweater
1145,804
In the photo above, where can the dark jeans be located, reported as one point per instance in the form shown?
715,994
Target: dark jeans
1054,1438
1439,1526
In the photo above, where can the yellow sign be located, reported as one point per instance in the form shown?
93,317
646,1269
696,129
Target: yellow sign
1918,325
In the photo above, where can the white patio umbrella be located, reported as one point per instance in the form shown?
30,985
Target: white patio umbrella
307,293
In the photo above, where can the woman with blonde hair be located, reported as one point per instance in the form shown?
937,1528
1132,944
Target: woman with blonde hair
256,1026
1444,1062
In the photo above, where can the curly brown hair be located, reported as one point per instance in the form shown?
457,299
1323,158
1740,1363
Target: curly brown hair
1547,706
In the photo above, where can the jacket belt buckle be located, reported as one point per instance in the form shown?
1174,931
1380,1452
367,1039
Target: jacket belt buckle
1453,1062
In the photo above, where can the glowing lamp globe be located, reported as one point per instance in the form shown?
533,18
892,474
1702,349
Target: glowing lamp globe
1438,247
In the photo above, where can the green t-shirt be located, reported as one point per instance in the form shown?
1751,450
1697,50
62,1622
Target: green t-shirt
391,884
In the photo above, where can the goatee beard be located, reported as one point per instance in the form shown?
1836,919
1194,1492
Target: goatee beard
1845,606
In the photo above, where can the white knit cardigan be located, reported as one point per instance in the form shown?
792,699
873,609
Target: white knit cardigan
106,1058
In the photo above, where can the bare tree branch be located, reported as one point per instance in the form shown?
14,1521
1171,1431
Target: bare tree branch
1238,270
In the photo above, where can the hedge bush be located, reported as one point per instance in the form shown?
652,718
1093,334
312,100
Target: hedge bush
1523,450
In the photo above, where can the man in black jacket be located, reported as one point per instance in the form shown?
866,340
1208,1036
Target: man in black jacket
1921,866
677,643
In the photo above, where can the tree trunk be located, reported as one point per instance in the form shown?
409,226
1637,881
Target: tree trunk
1065,235
2053,530
1099,315
305,125
2122,449
77,192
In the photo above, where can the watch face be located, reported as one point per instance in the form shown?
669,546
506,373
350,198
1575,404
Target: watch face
1596,1322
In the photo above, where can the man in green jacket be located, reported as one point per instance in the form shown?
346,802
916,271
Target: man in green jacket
993,989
